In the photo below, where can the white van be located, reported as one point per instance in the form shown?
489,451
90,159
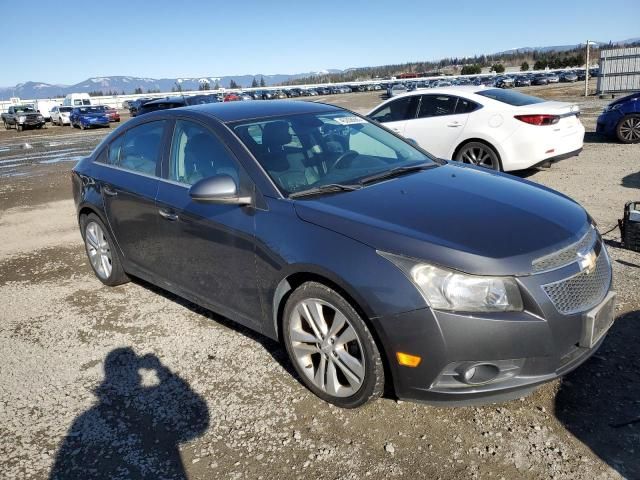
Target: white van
43,107
77,100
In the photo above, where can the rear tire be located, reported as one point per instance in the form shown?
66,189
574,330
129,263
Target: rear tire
6,125
331,347
480,154
628,128
19,127
101,251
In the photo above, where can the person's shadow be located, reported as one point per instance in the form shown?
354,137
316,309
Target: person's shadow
144,412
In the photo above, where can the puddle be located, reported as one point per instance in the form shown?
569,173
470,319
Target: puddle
62,159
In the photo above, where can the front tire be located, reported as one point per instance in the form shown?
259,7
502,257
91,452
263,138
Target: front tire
628,128
480,154
331,347
101,251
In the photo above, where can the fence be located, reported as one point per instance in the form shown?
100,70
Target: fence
619,70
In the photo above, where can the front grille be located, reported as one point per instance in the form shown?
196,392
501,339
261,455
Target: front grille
582,291
567,255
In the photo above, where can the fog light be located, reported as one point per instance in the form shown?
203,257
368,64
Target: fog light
480,373
408,360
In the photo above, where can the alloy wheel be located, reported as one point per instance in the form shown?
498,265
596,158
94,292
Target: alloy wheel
327,348
630,129
480,155
98,250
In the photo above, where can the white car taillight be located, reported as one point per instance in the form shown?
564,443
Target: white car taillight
539,120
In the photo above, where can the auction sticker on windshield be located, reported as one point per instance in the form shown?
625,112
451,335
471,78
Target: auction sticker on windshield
349,120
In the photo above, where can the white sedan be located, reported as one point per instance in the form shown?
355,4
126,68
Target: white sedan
491,127
60,115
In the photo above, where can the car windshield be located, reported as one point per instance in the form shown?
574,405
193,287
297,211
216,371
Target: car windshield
66,109
25,109
91,110
305,151
509,97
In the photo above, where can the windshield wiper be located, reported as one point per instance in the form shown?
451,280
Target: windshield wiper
329,188
394,172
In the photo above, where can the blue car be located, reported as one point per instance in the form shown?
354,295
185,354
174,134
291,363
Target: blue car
621,119
89,116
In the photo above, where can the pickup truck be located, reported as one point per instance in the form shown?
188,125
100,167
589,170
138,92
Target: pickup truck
22,116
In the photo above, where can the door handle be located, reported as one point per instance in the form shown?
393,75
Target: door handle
168,215
454,124
109,191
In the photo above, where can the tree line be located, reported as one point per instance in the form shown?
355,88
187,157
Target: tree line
465,65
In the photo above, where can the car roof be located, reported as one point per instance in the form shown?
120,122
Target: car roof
447,89
166,100
236,111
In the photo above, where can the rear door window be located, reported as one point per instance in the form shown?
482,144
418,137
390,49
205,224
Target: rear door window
437,105
140,149
465,106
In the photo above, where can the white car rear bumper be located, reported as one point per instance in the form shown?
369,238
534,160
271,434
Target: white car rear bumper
527,148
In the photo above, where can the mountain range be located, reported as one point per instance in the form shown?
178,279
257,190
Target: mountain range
127,84
564,48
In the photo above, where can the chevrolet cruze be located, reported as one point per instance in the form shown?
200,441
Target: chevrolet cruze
371,261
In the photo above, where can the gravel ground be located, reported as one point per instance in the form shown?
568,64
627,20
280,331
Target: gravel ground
132,382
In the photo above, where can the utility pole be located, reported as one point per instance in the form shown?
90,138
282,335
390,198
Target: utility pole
586,73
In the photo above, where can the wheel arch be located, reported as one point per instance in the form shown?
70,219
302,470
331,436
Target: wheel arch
309,274
293,280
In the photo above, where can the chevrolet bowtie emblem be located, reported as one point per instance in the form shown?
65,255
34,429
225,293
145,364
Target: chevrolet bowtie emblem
587,261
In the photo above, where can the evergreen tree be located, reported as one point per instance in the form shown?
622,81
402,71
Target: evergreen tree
524,66
233,84
498,68
254,83
138,91
471,70
262,84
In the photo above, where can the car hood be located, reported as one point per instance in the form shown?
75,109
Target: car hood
628,98
462,217
92,115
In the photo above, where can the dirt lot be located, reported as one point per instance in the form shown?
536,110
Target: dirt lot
136,383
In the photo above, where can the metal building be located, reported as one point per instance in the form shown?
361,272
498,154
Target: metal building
619,70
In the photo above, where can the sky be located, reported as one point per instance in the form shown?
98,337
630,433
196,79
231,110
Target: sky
67,42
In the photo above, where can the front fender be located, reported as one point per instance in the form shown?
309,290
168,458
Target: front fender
291,247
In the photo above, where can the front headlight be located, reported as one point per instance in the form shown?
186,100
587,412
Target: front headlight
21,119
447,289
40,117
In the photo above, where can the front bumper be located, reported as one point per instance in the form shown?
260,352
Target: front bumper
531,347
31,123
607,123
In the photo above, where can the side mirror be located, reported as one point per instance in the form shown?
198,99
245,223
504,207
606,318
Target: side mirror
218,189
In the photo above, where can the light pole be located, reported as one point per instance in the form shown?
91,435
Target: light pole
586,70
